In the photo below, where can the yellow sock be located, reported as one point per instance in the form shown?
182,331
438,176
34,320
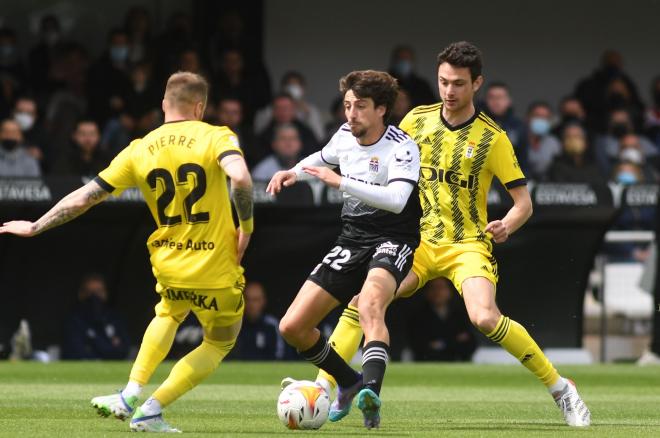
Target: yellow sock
156,343
514,338
191,369
345,339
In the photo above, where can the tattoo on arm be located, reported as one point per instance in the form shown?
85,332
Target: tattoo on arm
95,194
71,206
242,197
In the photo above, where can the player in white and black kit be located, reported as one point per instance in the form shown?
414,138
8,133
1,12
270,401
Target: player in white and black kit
379,166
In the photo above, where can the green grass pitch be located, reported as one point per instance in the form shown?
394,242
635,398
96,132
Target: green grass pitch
419,400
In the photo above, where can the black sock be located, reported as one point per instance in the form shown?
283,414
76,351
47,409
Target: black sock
374,360
325,357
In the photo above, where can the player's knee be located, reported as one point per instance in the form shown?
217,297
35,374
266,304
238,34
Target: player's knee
371,311
484,320
223,347
290,329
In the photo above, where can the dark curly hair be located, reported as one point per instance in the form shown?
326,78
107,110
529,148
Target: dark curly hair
462,54
377,85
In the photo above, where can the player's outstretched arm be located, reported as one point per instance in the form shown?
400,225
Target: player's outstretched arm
515,217
392,197
70,207
241,194
286,178
282,178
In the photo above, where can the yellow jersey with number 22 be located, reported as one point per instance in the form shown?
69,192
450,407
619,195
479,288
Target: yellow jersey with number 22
176,168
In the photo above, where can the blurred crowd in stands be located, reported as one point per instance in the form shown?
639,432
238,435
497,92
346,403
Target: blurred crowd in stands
65,110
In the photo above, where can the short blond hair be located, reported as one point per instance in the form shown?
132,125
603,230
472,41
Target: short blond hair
185,88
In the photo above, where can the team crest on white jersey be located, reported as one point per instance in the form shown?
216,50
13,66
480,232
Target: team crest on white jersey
373,165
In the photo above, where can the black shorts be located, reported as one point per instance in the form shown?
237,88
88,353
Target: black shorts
344,269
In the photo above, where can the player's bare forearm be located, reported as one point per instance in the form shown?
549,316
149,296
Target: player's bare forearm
521,210
500,230
70,207
516,217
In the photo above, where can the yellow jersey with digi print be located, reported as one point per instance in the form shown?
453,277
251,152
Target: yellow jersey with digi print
176,168
457,167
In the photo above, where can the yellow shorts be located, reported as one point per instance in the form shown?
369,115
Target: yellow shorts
456,262
213,307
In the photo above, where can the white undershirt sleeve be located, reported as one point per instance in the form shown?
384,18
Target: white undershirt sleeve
326,157
392,197
312,160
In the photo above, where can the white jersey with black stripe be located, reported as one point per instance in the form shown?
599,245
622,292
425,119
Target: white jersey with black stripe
394,157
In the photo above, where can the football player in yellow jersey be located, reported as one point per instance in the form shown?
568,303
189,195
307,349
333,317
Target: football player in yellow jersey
181,168
461,149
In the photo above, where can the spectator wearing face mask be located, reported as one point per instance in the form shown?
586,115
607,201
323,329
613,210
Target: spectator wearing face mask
575,164
540,147
608,145
294,84
402,67
626,173
15,161
35,137
109,79
630,151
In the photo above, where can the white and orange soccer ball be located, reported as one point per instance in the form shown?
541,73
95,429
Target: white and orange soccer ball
303,405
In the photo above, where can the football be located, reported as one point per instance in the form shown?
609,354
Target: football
303,405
